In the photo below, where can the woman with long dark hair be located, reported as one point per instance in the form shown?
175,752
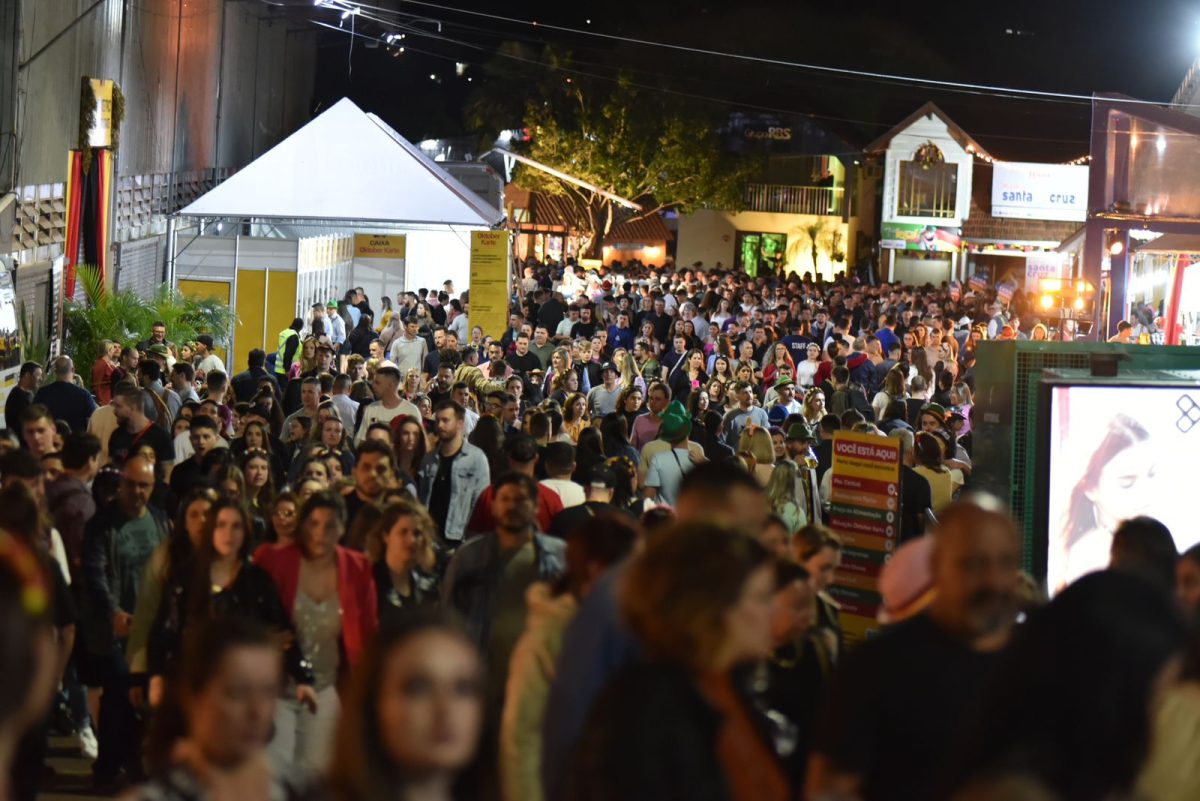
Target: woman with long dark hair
414,714
689,376
1114,487
409,443
169,567
630,404
488,436
224,583
359,340
589,451
614,434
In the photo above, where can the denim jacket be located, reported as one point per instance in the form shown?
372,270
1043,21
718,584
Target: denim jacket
469,476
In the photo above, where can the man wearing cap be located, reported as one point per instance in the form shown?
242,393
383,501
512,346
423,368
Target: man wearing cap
785,403
667,469
208,360
931,418
602,399
335,326
799,441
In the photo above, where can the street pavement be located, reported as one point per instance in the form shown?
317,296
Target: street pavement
72,779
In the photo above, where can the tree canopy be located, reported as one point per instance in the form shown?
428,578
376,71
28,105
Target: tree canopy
647,146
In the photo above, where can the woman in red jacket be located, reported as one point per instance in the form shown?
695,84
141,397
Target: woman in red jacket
330,594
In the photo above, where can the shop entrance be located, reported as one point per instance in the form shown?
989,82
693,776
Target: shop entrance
756,251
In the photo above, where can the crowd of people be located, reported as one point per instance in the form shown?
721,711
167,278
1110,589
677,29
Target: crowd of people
588,558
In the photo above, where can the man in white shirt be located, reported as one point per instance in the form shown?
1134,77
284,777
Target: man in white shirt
559,461
602,400
208,361
389,406
409,350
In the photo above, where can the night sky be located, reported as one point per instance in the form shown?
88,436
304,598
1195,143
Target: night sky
1142,49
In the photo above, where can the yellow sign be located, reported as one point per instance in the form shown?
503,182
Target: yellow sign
489,284
379,246
101,133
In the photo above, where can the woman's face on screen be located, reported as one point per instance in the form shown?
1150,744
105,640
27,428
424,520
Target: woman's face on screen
1124,488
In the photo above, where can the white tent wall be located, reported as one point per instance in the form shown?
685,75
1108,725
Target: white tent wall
435,256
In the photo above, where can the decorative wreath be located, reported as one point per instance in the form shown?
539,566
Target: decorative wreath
928,155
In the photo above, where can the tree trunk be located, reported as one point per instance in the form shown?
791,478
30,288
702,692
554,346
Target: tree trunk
599,223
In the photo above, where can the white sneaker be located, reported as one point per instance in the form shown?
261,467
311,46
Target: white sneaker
88,745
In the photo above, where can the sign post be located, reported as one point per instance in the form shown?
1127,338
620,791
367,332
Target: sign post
490,282
865,512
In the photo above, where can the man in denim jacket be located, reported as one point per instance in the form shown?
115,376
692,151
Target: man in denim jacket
452,477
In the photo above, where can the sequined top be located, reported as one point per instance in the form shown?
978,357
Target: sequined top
319,629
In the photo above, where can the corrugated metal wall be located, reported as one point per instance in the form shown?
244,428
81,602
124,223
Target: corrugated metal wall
192,108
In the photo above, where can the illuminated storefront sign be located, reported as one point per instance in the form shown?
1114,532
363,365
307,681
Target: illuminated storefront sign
1040,191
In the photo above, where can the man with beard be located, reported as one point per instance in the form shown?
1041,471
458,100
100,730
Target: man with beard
898,699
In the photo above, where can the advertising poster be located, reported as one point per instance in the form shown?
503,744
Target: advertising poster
865,512
1040,191
379,264
910,236
489,282
1117,452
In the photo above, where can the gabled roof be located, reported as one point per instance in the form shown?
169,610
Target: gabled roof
928,110
347,165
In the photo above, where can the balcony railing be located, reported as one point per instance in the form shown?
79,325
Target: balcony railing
818,200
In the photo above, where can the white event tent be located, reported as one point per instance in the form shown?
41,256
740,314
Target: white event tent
281,233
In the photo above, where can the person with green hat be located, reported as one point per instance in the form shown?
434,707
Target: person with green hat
667,469
800,439
786,403
335,326
932,417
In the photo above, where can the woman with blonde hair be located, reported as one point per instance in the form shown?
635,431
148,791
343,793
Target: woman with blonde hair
814,406
629,376
575,416
102,371
756,441
781,492
412,384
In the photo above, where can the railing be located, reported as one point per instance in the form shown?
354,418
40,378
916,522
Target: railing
818,200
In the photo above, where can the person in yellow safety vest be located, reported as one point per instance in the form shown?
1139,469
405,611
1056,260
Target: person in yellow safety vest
289,346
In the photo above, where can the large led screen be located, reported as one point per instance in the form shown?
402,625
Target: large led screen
1116,453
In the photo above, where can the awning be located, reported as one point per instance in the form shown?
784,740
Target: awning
346,165
1172,243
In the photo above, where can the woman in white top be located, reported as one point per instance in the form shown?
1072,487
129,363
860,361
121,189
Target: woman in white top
894,388
807,369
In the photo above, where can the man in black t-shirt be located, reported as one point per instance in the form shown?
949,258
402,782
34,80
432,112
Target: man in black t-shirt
900,700
521,360
136,431
586,325
20,397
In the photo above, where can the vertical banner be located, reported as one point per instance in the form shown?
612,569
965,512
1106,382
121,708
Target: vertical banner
864,510
489,285
379,266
